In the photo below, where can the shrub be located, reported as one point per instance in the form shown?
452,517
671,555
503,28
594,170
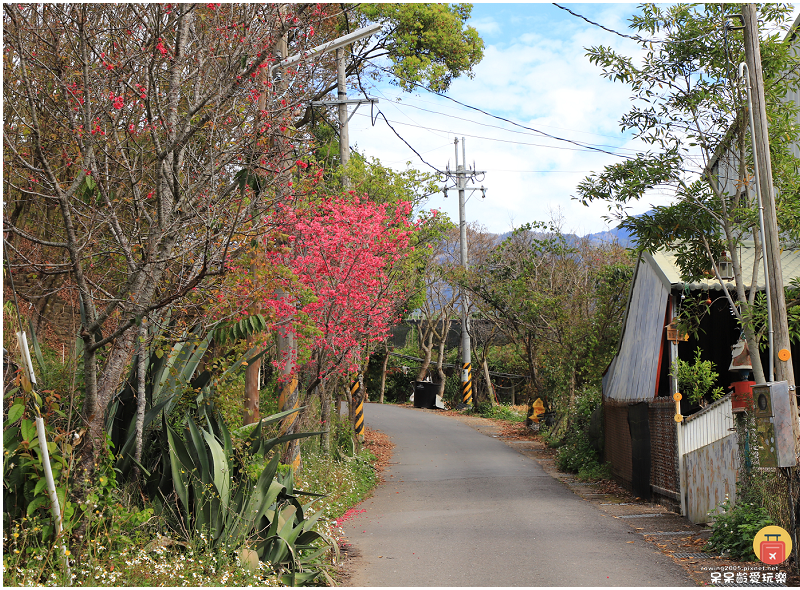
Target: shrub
576,454
735,527
217,500
499,412
696,380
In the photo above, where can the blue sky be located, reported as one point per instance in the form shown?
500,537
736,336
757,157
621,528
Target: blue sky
534,72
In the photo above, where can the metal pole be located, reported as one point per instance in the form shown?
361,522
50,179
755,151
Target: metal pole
466,352
742,68
356,35
344,135
673,389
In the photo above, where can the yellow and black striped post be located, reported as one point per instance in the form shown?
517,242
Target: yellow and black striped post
358,400
466,384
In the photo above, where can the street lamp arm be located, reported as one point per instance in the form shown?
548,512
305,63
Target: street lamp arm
329,46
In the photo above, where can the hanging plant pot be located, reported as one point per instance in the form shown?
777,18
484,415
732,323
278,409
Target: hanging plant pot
673,335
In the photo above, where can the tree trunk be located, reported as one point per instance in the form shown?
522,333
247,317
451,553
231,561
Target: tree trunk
252,390
351,410
336,396
489,387
534,389
327,423
572,388
440,369
426,344
363,378
383,372
141,399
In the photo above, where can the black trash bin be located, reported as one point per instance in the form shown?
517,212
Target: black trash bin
425,394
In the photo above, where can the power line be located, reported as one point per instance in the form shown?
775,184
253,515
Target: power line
487,124
553,147
452,366
499,118
424,161
635,37
397,100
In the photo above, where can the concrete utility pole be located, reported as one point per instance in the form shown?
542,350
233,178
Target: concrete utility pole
781,354
344,134
342,100
286,339
461,174
252,374
355,404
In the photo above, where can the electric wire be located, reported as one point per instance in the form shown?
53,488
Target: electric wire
509,141
538,134
397,100
636,37
499,118
400,137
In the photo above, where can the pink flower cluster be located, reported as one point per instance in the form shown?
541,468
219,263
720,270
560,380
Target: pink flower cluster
116,101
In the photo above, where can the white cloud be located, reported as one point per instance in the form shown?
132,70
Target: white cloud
486,26
534,74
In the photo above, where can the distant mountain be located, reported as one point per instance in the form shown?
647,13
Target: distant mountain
621,236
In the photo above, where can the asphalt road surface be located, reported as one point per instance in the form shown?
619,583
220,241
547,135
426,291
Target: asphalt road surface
460,508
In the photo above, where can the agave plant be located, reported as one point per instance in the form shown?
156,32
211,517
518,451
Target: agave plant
168,376
219,499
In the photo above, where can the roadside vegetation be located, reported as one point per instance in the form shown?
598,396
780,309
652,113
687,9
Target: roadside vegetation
195,280
125,535
579,447
200,289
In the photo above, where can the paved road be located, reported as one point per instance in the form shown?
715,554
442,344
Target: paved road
463,509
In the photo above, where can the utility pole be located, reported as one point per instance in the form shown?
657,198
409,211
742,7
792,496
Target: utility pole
288,398
344,133
461,174
780,325
341,104
357,392
781,356
286,339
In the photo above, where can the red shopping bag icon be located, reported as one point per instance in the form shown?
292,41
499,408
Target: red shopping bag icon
773,552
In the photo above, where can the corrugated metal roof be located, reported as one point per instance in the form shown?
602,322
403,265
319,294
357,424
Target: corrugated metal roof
664,263
632,374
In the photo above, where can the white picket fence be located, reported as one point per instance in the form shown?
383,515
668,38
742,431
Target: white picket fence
712,423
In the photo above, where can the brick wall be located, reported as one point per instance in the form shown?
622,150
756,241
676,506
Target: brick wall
663,451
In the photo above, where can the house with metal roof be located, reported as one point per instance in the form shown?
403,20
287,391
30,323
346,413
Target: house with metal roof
690,464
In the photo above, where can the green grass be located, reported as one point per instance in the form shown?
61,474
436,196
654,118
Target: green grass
195,565
117,561
345,482
501,412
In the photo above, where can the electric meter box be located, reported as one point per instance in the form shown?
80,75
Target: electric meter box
774,424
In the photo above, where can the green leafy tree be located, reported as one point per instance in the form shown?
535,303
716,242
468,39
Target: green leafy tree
689,110
560,299
429,44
